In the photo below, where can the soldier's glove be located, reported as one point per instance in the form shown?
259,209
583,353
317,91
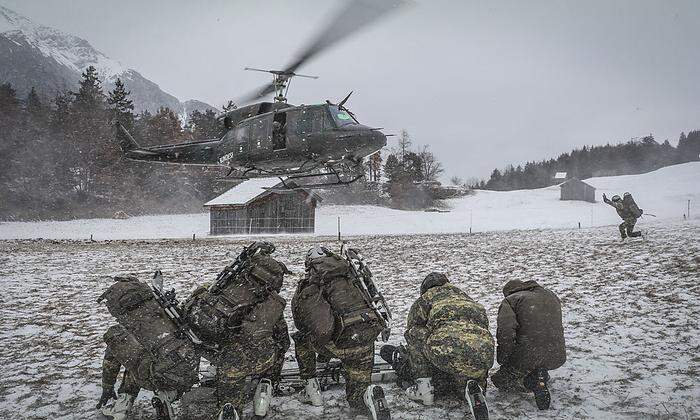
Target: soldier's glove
604,196
107,394
641,211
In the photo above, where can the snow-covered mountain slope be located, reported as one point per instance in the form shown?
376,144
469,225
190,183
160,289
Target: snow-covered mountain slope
33,55
664,193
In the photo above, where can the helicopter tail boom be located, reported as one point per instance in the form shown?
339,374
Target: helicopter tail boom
192,153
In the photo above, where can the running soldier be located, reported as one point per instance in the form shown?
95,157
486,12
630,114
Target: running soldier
449,348
334,321
530,339
628,210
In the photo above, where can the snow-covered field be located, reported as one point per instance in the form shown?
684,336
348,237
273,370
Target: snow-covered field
664,193
631,314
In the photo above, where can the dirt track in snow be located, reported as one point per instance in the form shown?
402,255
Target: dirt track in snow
631,314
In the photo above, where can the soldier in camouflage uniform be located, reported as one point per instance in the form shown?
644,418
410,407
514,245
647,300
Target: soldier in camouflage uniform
357,358
628,212
132,381
254,347
448,342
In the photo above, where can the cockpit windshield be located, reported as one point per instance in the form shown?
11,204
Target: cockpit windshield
341,117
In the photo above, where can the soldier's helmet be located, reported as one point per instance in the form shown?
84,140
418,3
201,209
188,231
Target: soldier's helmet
616,198
314,253
433,280
626,194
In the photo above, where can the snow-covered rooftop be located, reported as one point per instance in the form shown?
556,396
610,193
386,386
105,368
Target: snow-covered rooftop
244,192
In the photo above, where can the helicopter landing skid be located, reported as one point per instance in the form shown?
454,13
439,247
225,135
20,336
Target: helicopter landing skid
302,173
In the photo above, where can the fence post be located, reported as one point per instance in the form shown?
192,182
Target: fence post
338,228
471,219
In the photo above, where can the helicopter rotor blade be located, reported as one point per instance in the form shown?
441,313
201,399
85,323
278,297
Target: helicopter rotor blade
353,17
254,69
350,19
340,105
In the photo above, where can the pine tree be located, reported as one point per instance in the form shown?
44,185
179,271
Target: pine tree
90,97
121,106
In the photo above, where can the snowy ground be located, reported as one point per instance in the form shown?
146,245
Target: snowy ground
631,314
664,193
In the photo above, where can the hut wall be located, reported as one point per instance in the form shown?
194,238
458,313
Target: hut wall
577,190
272,213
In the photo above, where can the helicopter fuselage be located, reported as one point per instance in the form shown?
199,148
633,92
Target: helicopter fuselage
286,138
272,138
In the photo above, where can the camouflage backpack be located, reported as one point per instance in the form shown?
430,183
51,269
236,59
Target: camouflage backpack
631,206
172,360
331,288
216,316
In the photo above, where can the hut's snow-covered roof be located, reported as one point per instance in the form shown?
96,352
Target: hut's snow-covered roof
244,192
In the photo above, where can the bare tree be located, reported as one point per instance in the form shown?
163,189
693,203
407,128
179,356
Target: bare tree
456,181
404,145
431,167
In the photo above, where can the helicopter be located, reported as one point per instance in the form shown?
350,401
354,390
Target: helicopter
277,139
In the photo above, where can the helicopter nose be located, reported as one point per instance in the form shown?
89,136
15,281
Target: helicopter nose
378,139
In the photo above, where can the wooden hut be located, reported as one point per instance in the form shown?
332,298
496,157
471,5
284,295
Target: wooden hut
262,205
575,189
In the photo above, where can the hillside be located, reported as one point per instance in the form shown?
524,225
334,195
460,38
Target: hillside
33,55
663,192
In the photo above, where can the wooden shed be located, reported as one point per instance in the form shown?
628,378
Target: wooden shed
262,205
575,189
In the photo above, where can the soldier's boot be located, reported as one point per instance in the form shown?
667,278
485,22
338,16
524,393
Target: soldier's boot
422,391
477,402
263,396
536,381
397,357
376,403
119,408
162,403
228,412
312,393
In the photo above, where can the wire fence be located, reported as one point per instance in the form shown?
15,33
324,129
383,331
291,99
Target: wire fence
255,225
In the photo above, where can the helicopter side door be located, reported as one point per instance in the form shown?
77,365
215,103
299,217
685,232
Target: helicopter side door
260,143
307,124
241,140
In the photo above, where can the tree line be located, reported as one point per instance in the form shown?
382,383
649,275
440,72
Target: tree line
632,157
61,160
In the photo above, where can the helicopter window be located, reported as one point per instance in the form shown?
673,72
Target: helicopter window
242,133
341,116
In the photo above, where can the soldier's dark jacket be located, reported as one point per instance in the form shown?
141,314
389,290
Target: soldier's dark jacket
451,331
530,334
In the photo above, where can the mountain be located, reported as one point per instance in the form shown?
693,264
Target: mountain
33,55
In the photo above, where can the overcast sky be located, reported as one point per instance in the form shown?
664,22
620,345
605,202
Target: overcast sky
483,83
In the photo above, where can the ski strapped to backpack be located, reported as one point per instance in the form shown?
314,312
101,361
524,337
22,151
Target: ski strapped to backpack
168,301
230,272
372,295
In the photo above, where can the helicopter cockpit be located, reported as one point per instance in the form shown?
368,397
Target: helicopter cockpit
341,117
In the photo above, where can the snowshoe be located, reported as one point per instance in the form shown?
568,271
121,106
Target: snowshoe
228,412
537,383
477,401
376,403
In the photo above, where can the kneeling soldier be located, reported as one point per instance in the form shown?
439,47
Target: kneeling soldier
448,346
530,339
334,321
